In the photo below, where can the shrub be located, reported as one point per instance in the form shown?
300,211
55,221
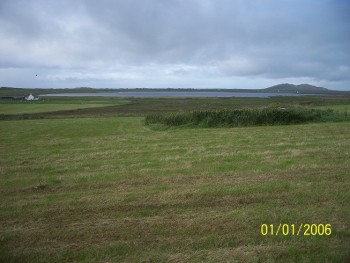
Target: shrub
243,117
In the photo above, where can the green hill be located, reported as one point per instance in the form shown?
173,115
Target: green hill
302,88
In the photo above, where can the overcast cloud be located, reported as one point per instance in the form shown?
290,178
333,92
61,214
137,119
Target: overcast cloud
174,43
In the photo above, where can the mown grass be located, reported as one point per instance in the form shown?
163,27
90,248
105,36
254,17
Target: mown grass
34,108
113,190
245,117
44,105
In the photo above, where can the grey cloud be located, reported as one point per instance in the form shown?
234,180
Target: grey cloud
222,39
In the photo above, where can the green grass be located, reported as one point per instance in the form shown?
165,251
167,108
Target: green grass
342,108
110,189
148,106
34,108
8,107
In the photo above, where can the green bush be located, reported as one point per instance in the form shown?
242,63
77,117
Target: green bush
244,117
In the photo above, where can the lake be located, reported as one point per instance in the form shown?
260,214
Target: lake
187,94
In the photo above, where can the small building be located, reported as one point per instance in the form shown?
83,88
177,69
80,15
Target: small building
31,97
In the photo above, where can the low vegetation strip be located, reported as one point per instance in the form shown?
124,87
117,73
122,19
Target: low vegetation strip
245,117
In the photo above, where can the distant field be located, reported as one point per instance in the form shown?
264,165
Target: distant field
52,105
109,106
34,108
110,189
339,108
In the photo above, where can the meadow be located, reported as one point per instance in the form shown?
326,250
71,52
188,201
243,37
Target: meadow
44,105
98,185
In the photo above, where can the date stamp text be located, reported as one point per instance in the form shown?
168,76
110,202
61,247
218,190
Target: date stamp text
296,230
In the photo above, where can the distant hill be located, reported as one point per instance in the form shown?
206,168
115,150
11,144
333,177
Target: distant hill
302,88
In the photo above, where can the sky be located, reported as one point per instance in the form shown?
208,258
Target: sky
174,43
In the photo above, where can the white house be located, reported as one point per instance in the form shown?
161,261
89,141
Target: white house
31,97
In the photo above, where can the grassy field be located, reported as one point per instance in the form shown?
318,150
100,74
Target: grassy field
110,189
8,107
339,108
110,106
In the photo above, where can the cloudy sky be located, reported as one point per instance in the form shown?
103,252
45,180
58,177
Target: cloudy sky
174,43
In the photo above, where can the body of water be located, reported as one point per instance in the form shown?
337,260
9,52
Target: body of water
183,94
